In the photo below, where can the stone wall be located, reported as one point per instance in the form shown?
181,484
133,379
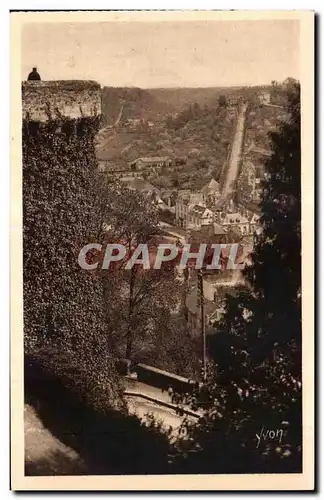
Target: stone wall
44,100
162,379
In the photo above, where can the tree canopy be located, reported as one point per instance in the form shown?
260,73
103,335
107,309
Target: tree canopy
255,382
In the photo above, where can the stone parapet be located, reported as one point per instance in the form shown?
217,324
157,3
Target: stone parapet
45,100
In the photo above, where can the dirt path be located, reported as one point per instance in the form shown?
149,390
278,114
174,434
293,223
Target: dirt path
45,454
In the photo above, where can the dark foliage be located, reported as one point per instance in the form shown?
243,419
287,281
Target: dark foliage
256,381
110,442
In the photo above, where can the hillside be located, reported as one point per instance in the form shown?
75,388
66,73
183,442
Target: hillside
137,104
181,98
45,454
199,137
155,104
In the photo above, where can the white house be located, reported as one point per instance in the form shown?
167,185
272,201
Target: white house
236,221
199,216
151,163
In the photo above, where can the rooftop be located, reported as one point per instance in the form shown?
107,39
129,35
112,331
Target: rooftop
235,218
199,209
211,186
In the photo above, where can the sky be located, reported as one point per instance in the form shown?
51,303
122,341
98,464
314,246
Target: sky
164,54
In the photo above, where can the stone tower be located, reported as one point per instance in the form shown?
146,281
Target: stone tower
60,210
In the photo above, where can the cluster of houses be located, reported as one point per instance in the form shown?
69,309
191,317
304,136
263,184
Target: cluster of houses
206,217
203,215
194,210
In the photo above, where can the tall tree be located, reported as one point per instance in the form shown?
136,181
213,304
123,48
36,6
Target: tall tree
222,101
138,300
257,346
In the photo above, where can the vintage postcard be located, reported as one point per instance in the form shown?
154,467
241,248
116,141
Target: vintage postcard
162,242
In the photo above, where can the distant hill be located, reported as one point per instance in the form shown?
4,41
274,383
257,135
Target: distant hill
180,98
137,104
155,104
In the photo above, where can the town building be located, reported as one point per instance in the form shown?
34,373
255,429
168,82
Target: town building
234,100
259,150
211,192
34,75
121,172
143,187
184,204
208,233
199,216
254,221
215,288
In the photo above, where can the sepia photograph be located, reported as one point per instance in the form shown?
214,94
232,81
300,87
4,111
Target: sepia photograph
162,200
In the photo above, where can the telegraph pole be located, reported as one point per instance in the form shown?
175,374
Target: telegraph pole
200,297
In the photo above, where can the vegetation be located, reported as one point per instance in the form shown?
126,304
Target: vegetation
109,442
256,381
70,375
140,301
196,140
77,322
